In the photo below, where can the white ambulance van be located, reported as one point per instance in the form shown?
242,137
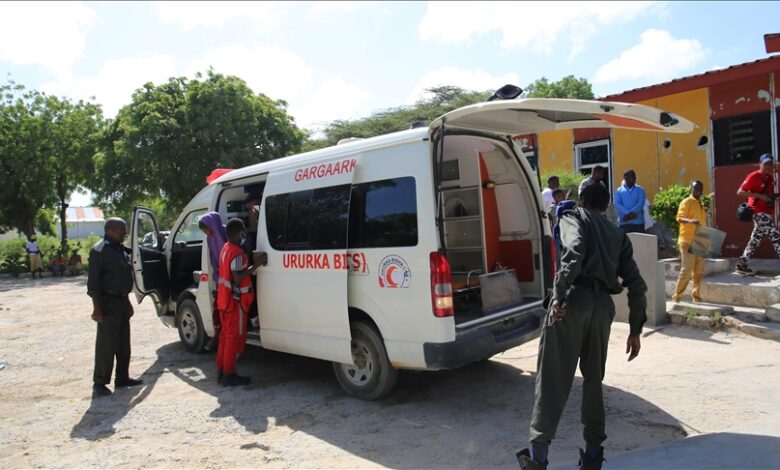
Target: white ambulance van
423,249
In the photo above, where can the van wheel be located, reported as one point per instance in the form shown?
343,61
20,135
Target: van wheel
372,377
190,326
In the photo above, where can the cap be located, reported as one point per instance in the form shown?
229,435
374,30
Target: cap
766,158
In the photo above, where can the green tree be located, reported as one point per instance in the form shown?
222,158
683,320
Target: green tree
441,100
171,136
73,132
567,87
667,201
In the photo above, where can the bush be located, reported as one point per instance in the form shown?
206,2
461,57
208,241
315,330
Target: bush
569,180
14,259
667,202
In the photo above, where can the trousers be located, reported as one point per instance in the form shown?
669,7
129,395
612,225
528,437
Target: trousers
112,341
232,338
763,226
692,267
581,336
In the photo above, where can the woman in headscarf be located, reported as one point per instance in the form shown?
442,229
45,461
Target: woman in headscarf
216,237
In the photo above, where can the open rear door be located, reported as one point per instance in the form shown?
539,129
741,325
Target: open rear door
535,115
150,270
302,291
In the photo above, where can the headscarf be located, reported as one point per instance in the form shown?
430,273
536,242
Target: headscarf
218,237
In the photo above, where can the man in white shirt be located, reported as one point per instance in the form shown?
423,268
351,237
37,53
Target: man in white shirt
552,184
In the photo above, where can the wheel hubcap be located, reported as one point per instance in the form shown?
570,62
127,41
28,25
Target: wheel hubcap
363,370
188,326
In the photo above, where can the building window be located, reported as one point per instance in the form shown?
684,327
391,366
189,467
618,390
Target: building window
742,139
590,154
383,213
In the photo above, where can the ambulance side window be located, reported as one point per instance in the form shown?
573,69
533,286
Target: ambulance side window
383,214
308,220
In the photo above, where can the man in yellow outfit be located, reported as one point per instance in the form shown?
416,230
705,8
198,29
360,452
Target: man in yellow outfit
690,214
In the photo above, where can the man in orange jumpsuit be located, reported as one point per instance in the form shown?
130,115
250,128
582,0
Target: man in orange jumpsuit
234,298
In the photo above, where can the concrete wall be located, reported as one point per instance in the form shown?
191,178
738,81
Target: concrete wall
653,271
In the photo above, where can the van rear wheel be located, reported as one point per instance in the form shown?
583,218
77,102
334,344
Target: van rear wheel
190,326
372,377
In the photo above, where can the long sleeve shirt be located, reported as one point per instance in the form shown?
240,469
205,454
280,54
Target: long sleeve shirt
110,273
629,200
595,249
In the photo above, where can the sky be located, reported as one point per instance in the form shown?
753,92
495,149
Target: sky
345,60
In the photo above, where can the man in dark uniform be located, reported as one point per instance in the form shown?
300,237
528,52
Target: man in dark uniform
595,254
109,283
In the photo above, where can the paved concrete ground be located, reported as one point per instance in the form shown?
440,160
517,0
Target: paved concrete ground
755,446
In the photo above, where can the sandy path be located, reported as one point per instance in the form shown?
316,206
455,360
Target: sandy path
294,414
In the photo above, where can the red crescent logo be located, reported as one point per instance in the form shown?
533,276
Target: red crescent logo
389,276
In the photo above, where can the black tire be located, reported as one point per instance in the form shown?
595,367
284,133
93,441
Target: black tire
372,377
190,326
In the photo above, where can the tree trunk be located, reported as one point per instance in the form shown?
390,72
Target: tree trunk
63,213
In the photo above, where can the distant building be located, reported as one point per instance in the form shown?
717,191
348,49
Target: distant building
83,222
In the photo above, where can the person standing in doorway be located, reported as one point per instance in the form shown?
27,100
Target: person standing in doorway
597,261
690,215
630,204
35,256
109,283
596,176
759,188
216,237
234,297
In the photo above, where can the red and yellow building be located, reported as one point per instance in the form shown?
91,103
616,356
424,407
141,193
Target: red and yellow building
736,110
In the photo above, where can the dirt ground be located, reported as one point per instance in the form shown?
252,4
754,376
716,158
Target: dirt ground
294,414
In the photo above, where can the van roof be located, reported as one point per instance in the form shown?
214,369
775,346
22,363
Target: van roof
336,151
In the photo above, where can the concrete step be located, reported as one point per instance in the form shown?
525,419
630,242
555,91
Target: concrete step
750,321
726,287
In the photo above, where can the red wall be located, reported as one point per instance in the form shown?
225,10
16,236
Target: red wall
728,179
739,97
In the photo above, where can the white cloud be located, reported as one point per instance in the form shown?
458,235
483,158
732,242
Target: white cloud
49,34
477,80
115,82
334,6
192,14
657,57
333,99
525,25
271,70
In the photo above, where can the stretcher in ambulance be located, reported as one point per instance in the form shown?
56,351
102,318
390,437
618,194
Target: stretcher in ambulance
423,249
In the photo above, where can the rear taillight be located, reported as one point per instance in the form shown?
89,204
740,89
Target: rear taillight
441,285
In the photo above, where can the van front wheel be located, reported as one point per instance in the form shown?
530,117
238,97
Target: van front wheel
190,326
372,377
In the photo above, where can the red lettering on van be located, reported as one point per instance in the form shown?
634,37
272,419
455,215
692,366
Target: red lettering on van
325,169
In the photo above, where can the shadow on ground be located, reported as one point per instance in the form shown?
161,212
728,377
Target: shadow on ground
476,416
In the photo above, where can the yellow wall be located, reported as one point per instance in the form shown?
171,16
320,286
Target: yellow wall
555,150
683,160
642,151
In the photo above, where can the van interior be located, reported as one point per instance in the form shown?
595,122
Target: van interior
492,233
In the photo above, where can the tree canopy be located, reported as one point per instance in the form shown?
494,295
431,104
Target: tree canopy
440,100
567,87
46,148
164,143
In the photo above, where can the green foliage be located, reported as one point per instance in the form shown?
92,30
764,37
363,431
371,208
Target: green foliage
567,87
14,259
171,136
439,100
569,181
667,202
46,149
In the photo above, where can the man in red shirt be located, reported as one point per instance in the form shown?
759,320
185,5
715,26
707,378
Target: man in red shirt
759,188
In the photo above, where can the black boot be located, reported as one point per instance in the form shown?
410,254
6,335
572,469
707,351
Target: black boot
527,463
127,382
232,380
99,390
586,463
220,376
